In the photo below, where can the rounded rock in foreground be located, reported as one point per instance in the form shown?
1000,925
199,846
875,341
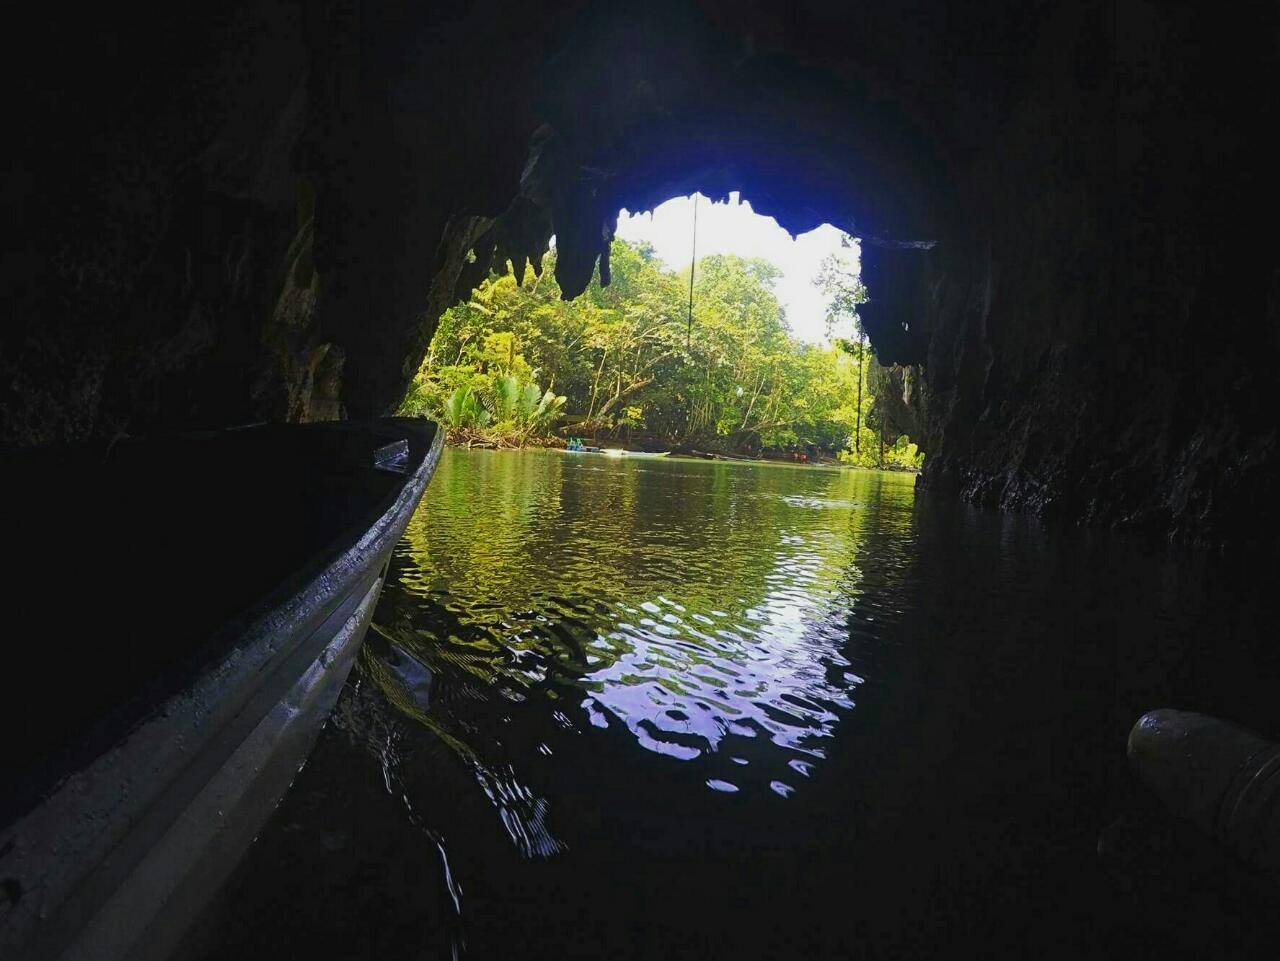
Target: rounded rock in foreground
1222,777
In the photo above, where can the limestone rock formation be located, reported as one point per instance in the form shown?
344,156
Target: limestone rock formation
224,212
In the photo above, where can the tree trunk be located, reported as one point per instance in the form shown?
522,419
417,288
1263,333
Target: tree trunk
462,345
857,432
595,384
750,407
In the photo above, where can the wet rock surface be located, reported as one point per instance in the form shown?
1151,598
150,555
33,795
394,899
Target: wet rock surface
257,210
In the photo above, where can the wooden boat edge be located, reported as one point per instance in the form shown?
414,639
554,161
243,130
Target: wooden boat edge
78,848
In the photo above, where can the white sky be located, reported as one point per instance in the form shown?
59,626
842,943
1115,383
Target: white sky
734,228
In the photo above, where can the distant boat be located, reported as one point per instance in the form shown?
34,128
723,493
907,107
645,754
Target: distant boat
187,609
611,451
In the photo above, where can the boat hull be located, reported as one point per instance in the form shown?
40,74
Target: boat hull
125,851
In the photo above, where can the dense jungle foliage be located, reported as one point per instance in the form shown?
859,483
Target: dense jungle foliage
516,364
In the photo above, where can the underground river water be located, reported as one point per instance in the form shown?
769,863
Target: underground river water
660,708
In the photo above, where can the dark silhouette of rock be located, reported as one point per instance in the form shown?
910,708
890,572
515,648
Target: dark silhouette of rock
224,212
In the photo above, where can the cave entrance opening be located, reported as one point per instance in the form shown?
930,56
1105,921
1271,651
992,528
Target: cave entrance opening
708,328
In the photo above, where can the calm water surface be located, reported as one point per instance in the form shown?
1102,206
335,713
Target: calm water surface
650,708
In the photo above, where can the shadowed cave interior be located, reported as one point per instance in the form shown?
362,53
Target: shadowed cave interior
257,211
227,213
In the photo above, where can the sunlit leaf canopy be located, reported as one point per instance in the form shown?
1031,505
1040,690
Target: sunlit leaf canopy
733,227
624,361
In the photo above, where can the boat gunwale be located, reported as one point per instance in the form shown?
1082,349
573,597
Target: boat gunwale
74,838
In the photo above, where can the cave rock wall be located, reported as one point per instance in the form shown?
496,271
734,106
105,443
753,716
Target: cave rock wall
258,209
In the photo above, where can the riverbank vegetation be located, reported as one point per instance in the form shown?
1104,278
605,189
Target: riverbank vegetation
516,365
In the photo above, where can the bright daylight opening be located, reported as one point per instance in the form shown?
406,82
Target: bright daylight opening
734,228
761,356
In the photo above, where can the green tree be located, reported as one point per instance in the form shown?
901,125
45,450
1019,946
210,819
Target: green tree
622,363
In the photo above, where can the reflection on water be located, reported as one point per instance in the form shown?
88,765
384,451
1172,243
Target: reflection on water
678,709
701,607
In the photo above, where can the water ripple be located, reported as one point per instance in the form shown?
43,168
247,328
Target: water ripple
706,613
